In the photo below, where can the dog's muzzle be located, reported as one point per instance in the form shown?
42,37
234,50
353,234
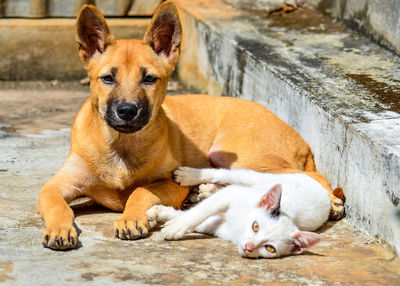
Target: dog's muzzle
127,111
127,117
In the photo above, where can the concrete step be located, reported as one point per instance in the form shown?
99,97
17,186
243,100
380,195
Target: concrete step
377,18
340,91
61,8
45,49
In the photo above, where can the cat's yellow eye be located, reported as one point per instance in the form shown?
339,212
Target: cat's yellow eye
256,228
270,248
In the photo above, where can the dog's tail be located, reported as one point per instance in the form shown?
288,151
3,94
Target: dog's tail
309,164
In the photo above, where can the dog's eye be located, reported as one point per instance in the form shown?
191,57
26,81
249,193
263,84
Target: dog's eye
149,79
107,79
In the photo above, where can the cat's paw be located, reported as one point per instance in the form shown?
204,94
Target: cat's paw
152,214
176,228
206,190
187,176
203,192
160,213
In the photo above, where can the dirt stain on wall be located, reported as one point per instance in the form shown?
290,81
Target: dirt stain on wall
385,93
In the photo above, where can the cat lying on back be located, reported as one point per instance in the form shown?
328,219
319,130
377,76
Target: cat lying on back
266,215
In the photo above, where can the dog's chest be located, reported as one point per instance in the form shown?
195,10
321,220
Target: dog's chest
118,172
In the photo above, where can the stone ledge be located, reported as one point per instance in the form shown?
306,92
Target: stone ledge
336,88
377,18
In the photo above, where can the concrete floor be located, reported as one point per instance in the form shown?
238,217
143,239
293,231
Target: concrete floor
34,141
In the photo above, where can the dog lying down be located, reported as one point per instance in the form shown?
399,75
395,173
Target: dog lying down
266,215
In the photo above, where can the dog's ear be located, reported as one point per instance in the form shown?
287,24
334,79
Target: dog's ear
92,33
165,32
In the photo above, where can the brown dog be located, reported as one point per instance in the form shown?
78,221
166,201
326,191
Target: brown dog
128,137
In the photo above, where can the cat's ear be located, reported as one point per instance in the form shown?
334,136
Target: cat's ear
303,240
272,199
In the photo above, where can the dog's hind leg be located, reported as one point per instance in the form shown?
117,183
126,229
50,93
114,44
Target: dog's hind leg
134,223
337,205
235,149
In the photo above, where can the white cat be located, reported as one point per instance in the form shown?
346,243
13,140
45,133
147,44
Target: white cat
266,215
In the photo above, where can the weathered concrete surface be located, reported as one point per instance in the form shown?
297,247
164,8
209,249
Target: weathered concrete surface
378,18
337,89
27,161
70,8
127,7
45,49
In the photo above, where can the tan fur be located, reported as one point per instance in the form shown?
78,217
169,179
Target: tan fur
131,172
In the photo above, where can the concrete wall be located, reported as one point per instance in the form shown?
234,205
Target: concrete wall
46,49
70,8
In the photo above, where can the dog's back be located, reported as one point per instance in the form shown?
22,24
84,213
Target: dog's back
234,132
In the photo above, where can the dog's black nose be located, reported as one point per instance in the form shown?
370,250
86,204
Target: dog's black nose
127,111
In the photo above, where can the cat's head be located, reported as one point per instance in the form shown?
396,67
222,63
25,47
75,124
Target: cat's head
270,233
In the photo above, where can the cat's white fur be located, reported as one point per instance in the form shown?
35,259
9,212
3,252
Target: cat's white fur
285,207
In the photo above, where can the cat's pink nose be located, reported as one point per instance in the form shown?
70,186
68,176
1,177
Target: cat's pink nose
248,247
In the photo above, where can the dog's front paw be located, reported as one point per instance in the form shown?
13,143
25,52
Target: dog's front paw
187,176
176,228
132,227
60,237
